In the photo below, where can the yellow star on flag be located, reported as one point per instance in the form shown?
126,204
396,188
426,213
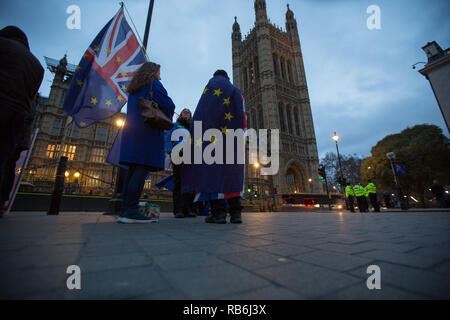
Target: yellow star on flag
226,101
204,91
124,73
199,142
224,129
108,102
82,124
228,116
123,87
118,59
94,101
79,82
217,92
213,139
119,98
78,68
96,48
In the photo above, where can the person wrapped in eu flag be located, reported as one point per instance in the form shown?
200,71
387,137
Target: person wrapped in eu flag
221,107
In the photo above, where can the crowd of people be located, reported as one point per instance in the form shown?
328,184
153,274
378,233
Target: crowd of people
361,194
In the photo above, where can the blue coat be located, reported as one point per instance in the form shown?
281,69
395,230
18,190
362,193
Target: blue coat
142,144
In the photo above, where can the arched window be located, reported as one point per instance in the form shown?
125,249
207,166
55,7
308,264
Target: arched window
283,76
275,64
261,117
297,121
281,116
289,71
289,118
251,73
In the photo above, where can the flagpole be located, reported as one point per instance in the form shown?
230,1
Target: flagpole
147,26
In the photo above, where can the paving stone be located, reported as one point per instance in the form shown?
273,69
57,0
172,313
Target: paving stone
307,280
402,258
214,282
333,260
417,281
285,250
126,283
253,260
186,260
124,260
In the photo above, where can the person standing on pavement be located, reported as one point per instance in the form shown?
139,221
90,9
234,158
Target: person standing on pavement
360,196
372,193
21,76
349,194
182,202
221,107
142,146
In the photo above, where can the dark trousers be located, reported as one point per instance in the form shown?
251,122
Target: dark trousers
361,203
351,201
133,186
9,176
374,201
218,207
182,202
11,134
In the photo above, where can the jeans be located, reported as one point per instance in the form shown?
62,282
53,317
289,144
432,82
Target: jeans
132,188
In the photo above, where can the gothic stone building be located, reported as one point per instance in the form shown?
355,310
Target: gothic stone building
268,68
86,148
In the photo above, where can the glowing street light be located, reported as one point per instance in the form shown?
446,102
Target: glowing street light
120,123
256,165
76,174
66,173
335,137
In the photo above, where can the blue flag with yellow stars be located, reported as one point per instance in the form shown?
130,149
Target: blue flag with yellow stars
221,107
98,88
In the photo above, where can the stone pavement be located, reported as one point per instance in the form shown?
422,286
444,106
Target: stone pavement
295,255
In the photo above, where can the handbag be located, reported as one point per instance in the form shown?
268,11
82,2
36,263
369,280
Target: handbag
152,114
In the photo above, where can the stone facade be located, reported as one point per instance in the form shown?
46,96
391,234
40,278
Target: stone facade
268,68
86,148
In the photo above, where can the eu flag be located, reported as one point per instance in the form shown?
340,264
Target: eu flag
98,89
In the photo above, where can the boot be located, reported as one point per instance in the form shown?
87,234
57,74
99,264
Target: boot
219,216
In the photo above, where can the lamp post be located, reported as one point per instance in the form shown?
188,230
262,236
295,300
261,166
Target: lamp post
336,139
116,201
391,156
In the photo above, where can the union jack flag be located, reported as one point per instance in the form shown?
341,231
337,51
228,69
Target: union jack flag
98,89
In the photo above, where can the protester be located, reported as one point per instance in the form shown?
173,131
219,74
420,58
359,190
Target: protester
21,75
182,202
142,147
220,107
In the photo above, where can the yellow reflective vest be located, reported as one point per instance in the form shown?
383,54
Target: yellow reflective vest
359,190
349,191
371,188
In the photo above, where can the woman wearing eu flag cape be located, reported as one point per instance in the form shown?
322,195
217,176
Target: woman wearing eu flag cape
142,148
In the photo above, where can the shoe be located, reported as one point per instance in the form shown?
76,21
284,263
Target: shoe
235,219
213,219
179,215
134,217
190,215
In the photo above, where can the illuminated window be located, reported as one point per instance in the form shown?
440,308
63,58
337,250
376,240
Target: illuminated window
69,151
97,155
52,152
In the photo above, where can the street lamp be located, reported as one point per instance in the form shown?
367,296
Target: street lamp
120,123
391,156
336,139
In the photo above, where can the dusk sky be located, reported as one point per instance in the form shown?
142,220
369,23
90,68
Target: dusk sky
360,81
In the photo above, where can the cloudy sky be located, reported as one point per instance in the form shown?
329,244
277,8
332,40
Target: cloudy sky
360,81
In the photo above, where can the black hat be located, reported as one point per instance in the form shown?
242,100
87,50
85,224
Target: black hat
221,73
14,33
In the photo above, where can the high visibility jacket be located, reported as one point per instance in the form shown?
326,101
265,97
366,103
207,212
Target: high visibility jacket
366,193
371,188
359,190
349,191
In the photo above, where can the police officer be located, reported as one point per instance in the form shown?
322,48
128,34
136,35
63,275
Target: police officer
372,193
358,189
349,194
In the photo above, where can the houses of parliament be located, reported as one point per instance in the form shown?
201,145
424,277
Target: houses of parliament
267,67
